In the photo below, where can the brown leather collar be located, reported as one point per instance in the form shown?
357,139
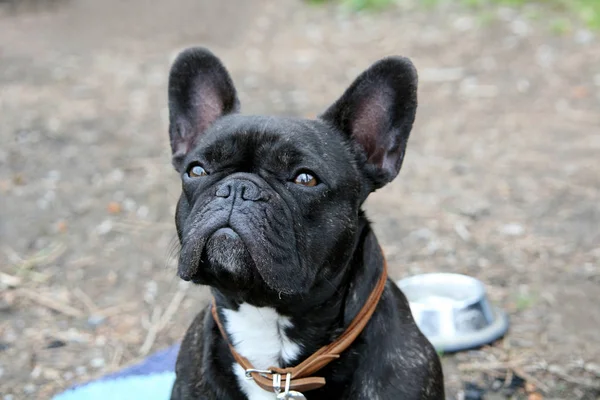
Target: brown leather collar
300,375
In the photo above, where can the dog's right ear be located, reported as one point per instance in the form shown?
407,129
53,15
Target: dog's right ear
200,92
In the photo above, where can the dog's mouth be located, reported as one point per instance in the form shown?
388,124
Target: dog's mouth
226,250
224,253
249,247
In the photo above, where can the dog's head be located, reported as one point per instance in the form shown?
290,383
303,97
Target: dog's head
270,205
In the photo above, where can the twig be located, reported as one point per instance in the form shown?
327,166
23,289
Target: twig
137,226
508,376
42,257
462,231
82,262
86,300
511,366
118,309
158,322
578,381
490,365
38,277
117,357
528,377
9,280
51,303
172,307
155,322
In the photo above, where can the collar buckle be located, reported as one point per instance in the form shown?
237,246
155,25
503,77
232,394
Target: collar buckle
251,371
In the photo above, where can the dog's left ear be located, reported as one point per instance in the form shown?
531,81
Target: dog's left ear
377,113
200,92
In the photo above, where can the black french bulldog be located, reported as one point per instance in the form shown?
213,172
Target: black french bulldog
270,218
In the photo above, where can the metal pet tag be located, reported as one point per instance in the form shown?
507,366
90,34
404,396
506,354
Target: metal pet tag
287,394
291,395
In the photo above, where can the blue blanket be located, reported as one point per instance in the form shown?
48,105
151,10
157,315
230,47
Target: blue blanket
151,379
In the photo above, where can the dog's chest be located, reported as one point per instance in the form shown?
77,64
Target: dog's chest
259,334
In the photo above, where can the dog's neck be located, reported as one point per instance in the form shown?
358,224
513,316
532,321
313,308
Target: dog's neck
285,335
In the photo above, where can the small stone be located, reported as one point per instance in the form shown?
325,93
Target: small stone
105,227
473,392
464,24
520,27
8,281
116,175
143,212
50,374
516,385
593,368
97,362
81,370
555,369
513,229
523,85
545,56
95,320
83,206
583,36
29,388
471,88
100,341
462,231
54,175
129,204
151,291
496,385
422,234
56,344
475,210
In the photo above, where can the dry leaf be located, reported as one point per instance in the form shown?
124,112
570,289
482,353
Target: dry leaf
535,396
114,207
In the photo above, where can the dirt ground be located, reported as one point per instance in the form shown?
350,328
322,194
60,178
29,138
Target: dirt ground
501,180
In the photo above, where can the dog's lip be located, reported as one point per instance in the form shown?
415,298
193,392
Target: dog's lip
226,231
192,274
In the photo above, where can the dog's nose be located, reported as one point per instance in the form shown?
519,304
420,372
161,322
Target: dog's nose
242,188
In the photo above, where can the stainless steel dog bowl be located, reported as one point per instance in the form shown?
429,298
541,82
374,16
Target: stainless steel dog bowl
453,311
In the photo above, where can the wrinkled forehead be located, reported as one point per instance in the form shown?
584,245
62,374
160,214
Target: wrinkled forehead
284,140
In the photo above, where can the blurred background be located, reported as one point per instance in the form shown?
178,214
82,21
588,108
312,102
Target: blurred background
501,179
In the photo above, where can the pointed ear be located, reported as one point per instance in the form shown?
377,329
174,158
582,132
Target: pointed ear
200,92
377,113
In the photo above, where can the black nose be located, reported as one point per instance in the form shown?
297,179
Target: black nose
242,188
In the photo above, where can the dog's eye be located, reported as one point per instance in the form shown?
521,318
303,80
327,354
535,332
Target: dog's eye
196,171
305,179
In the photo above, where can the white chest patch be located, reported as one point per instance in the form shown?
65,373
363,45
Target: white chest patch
258,334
